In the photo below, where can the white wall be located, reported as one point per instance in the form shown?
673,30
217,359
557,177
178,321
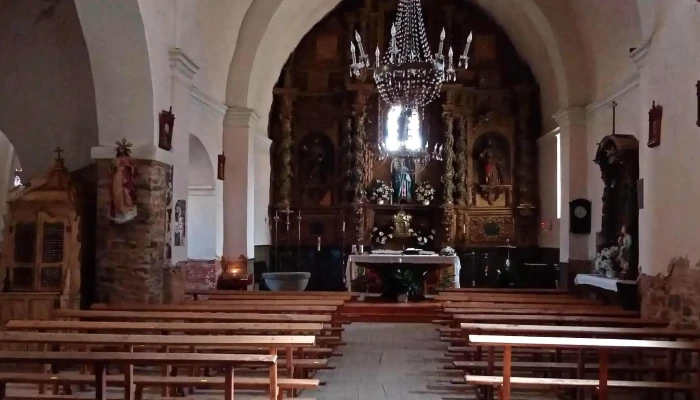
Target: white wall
549,223
201,223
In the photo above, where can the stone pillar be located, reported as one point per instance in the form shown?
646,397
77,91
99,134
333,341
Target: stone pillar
241,125
573,249
130,258
183,70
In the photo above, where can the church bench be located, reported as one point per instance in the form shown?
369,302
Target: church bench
269,294
517,305
580,331
545,366
537,311
219,308
559,320
100,360
142,381
266,302
504,290
516,299
187,316
603,346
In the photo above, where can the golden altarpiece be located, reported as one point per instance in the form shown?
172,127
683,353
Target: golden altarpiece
40,266
326,127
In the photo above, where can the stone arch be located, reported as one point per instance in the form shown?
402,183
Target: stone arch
202,199
271,30
119,57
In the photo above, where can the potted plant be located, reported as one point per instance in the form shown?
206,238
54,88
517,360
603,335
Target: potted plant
380,192
607,263
407,285
447,280
425,193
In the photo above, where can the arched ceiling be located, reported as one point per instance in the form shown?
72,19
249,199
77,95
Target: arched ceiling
563,42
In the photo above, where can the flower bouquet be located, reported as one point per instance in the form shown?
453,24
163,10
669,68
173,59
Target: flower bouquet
380,236
380,192
422,236
425,193
607,263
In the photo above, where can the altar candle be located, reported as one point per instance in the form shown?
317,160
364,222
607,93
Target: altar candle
464,229
343,226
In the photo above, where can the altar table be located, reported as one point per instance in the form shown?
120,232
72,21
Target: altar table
398,259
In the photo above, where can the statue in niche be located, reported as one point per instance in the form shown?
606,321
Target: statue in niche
625,243
491,165
123,188
402,224
402,181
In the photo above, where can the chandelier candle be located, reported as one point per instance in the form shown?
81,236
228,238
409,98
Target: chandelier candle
409,76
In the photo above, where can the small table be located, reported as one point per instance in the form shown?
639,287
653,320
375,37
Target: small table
379,259
624,292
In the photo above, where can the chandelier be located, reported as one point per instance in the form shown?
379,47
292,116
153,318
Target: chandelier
409,75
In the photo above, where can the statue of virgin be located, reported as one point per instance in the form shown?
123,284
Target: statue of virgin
403,182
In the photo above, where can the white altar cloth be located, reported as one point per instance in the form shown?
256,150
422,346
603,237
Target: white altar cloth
351,268
601,281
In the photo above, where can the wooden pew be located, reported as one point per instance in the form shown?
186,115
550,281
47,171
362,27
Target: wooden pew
220,308
604,348
271,295
100,360
559,320
579,331
505,290
562,299
266,302
483,304
272,343
165,316
536,311
165,327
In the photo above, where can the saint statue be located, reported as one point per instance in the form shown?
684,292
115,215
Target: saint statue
491,165
625,243
123,188
403,183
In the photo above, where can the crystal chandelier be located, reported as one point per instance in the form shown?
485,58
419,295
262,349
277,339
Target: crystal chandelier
409,74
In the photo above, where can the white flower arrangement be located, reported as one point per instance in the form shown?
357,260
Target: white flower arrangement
607,259
448,251
422,237
380,191
425,192
381,236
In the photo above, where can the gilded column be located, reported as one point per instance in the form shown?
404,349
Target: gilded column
461,149
359,161
284,173
448,218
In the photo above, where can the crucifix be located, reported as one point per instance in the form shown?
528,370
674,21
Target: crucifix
58,151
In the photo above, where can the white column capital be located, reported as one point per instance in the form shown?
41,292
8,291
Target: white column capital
241,117
575,116
182,64
639,55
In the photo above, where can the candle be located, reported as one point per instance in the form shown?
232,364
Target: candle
464,229
469,42
343,226
352,50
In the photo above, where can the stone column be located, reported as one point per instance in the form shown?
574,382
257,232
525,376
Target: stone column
573,249
241,125
130,258
182,70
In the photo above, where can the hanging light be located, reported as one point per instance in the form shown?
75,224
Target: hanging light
409,75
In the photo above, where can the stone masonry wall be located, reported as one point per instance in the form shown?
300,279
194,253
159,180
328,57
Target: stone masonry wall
201,274
130,258
674,295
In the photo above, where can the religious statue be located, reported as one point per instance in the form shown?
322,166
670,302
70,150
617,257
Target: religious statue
402,181
625,243
491,165
402,224
123,188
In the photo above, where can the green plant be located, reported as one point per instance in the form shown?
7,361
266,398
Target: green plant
407,283
446,281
